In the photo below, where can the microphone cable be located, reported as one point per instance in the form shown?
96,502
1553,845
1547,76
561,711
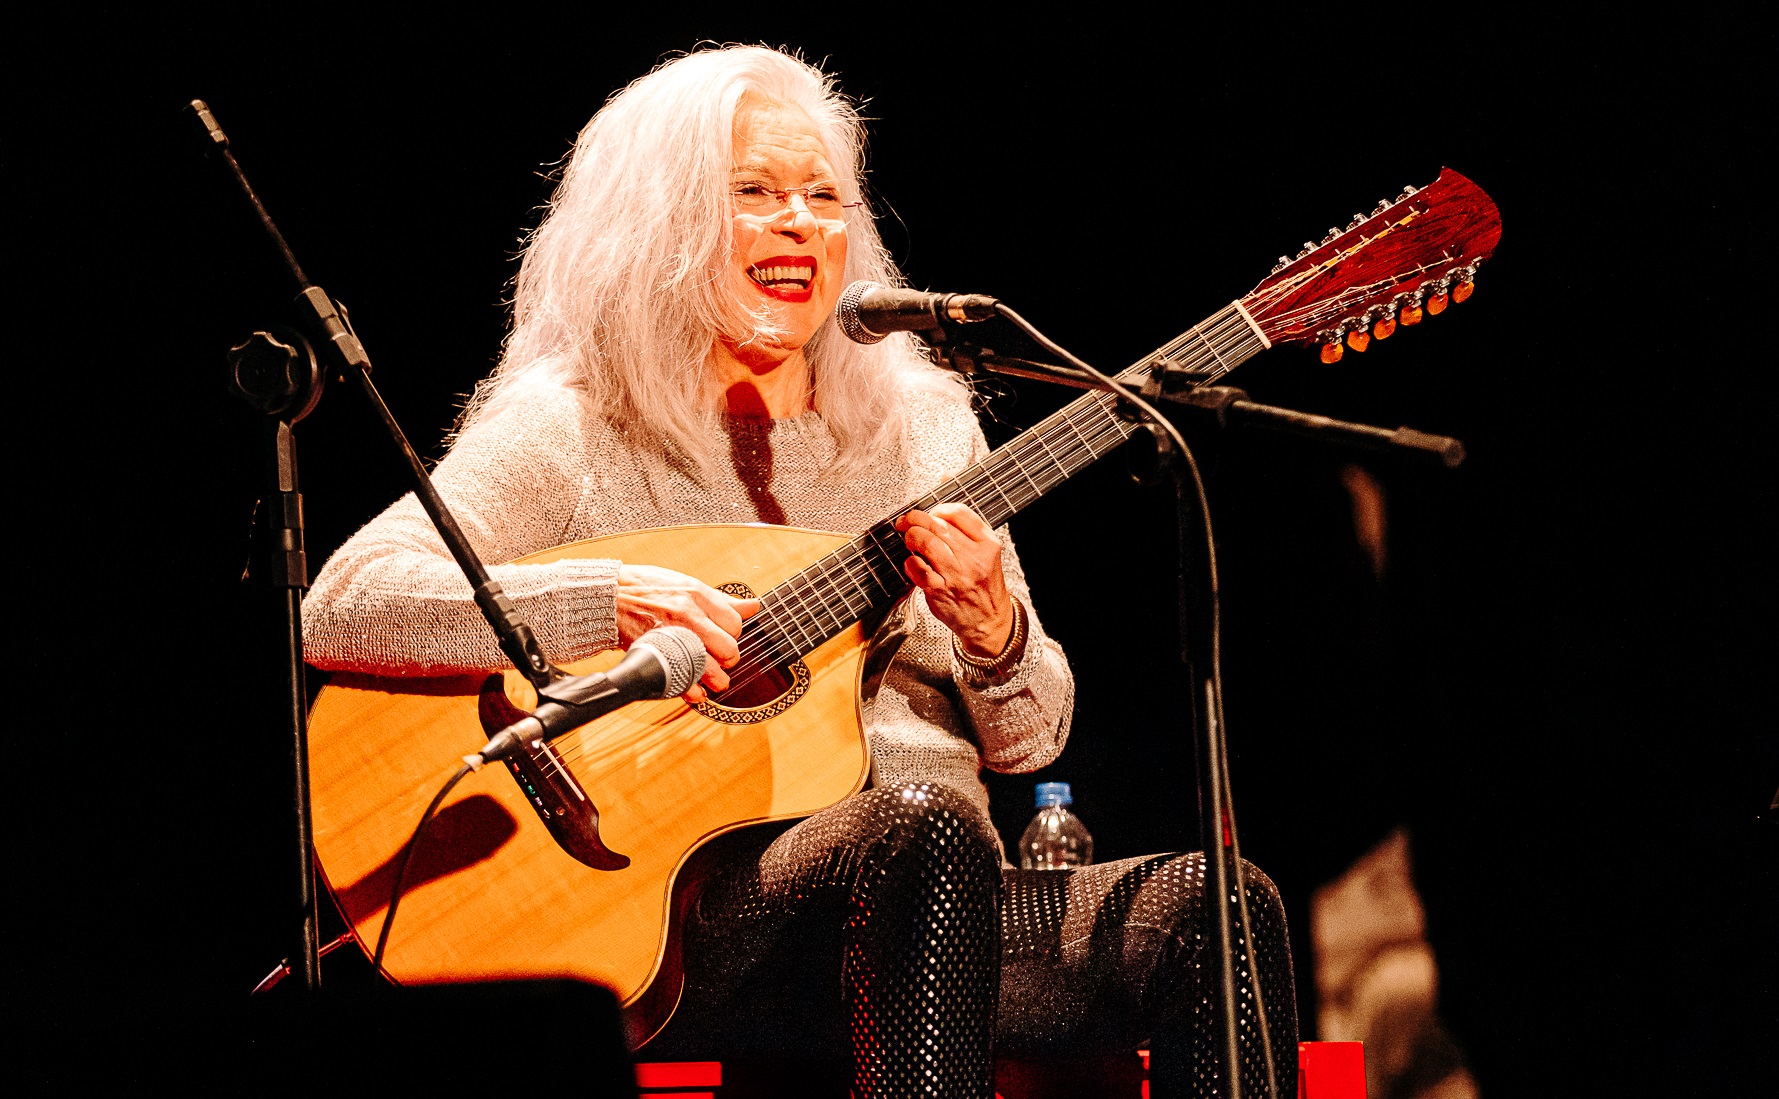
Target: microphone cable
1214,706
401,868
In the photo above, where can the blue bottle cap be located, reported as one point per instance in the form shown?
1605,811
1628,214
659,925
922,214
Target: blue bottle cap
1054,793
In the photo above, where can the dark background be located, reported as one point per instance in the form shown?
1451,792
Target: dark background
1558,684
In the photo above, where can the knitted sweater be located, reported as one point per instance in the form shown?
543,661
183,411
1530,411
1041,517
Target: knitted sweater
391,601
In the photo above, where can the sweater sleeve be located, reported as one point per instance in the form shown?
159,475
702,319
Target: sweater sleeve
392,601
1021,719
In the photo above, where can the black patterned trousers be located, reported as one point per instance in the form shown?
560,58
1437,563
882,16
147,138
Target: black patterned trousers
885,929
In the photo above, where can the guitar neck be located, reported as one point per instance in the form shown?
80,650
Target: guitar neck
866,574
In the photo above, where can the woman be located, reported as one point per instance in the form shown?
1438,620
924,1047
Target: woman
673,360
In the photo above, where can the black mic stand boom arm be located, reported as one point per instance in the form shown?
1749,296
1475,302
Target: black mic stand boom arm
277,373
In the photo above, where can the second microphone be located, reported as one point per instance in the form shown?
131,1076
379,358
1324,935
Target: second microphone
662,663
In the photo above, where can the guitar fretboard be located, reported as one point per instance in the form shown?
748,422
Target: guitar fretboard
866,574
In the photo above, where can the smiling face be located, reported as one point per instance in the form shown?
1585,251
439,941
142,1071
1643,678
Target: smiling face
788,259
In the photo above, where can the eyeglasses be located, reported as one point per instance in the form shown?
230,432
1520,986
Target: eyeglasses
822,199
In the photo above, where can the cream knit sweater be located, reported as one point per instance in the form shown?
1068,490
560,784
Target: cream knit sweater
391,601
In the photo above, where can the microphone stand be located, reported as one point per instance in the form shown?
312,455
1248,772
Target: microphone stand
277,372
1220,406
1197,608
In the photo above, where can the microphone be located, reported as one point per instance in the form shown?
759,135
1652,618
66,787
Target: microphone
868,311
661,664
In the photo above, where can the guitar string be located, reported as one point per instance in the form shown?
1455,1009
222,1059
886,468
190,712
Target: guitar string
586,750
789,604
581,750
774,654
847,571
589,750
853,559
1228,333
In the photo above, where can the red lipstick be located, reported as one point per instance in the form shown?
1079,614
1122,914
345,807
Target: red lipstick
787,278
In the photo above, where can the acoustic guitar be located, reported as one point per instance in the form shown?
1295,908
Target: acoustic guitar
573,864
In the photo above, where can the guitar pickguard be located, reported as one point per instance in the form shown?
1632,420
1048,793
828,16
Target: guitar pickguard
566,810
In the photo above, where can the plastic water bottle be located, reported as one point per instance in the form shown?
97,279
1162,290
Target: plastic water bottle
1055,839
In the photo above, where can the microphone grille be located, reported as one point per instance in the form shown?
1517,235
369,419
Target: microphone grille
847,312
682,655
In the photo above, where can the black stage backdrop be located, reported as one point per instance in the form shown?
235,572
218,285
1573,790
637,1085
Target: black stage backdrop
1557,685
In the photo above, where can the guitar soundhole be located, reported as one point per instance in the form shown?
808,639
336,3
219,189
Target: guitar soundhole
757,695
761,689
760,696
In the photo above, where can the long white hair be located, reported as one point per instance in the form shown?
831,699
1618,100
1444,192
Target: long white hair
620,294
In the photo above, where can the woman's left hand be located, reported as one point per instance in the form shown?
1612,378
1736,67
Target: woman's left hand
957,563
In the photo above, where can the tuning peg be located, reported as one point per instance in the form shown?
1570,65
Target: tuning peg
1385,327
1332,233
1463,290
1358,339
1437,301
1332,351
1358,220
1284,262
1382,205
1307,249
1410,314
1407,191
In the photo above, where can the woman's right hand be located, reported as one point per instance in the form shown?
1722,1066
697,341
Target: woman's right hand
649,596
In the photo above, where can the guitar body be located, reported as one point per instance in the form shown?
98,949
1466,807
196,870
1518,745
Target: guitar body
491,893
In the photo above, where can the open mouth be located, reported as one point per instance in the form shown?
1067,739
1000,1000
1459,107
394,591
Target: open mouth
787,278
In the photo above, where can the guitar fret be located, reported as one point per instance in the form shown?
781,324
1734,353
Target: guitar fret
1020,466
777,641
859,585
1011,509
869,552
966,495
812,587
797,617
783,639
1075,430
860,558
760,634
1048,453
823,603
1209,344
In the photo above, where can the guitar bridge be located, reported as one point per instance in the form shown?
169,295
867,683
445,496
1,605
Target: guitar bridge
565,809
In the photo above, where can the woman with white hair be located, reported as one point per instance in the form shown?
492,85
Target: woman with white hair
673,360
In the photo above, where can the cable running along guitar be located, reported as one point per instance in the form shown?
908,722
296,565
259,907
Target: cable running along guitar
575,863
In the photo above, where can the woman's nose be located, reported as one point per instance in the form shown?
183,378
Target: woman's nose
795,220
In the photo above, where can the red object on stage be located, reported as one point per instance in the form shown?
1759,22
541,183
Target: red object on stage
1330,1070
679,1074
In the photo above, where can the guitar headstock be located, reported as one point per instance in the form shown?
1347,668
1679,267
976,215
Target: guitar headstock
1411,256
